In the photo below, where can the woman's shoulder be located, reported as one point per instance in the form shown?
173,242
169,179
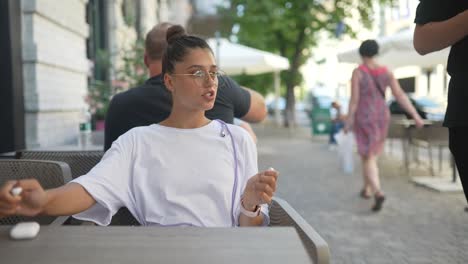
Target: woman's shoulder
240,135
138,132
379,69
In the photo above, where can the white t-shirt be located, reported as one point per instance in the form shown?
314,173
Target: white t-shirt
169,176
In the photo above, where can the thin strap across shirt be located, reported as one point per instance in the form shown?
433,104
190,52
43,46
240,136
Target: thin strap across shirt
169,176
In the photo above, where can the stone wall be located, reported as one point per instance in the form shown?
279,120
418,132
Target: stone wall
55,65
55,69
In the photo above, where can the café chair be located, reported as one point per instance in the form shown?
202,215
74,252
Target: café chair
282,214
50,174
80,161
430,137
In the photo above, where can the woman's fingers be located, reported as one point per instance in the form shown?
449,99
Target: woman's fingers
8,211
263,188
266,198
29,184
8,202
6,197
33,194
7,206
269,180
271,173
266,185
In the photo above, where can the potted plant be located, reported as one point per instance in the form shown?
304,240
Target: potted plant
98,98
130,74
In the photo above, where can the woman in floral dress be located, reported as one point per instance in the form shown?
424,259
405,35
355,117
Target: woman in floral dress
369,115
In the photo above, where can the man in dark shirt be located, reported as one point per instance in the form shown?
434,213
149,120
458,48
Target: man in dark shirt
440,24
151,102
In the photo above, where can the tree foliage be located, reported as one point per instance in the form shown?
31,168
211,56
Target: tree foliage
291,29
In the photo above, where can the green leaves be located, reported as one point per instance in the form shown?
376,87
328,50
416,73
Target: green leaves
291,28
130,74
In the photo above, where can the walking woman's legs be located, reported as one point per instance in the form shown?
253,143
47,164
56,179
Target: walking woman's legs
371,179
371,173
366,191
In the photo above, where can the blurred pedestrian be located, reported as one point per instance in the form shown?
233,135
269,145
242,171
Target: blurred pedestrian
441,24
337,123
368,115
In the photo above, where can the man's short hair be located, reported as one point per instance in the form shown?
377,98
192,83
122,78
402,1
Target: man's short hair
155,42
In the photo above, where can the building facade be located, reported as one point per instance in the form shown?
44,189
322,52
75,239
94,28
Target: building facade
59,56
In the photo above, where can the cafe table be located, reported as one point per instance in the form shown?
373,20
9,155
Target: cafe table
139,245
408,124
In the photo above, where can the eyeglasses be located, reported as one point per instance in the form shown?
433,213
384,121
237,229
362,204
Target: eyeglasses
201,76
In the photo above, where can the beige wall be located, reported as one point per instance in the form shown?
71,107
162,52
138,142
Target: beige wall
54,69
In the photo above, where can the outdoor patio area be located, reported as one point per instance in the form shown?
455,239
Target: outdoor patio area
416,224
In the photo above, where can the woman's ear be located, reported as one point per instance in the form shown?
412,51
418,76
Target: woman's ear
168,82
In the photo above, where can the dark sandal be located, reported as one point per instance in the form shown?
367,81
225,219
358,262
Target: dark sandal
378,203
364,194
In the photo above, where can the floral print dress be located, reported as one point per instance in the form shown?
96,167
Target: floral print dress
372,115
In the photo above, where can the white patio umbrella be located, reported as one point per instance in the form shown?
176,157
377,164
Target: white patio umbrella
235,59
396,51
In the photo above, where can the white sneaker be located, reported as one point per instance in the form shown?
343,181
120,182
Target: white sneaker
332,147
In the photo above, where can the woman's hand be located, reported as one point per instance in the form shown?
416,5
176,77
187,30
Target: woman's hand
260,189
418,121
348,124
29,202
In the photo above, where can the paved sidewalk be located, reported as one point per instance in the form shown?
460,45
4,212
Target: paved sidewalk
416,225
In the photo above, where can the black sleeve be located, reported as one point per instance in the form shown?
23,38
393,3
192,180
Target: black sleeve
434,11
239,97
115,121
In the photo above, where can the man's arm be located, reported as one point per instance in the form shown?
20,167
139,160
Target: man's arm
257,111
248,128
435,36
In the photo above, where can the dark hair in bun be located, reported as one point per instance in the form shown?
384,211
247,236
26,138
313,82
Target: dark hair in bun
175,32
178,45
369,48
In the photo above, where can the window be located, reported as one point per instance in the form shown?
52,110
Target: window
408,84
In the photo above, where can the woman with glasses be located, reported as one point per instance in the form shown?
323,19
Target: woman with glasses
185,171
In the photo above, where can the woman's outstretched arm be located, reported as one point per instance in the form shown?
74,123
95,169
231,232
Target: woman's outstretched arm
34,200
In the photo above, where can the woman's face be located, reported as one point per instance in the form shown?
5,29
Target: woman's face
194,82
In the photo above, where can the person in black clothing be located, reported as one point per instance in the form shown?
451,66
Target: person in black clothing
440,24
151,102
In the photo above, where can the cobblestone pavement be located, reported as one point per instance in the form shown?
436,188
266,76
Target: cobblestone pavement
416,225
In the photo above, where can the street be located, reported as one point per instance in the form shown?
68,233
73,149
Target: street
416,225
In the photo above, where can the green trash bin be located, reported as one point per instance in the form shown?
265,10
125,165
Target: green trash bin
320,121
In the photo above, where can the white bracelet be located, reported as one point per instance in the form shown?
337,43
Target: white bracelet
249,213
